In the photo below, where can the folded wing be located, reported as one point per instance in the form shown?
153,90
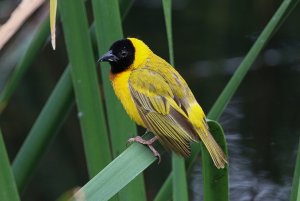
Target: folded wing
157,106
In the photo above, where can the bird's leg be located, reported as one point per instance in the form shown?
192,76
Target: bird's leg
149,143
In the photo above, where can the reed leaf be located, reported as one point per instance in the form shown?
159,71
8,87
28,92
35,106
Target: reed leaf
298,194
84,78
167,8
215,181
180,189
47,124
117,174
8,190
295,193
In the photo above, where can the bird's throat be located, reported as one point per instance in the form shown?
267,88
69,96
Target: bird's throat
117,68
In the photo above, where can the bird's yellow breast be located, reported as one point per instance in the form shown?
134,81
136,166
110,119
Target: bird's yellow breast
121,88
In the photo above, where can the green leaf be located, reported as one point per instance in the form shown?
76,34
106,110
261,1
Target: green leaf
298,197
109,29
215,181
8,190
47,124
180,188
117,174
84,78
295,193
167,7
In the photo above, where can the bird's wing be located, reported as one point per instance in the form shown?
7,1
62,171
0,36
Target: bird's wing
157,106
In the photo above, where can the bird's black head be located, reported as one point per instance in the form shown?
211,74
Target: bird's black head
120,55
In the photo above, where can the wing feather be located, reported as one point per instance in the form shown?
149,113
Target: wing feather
158,109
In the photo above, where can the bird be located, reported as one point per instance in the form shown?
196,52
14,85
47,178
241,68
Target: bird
157,98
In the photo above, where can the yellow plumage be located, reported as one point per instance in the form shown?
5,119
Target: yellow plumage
156,97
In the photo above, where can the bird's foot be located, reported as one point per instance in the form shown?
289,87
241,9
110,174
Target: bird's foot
149,143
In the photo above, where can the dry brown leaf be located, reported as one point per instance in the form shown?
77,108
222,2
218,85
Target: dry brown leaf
17,18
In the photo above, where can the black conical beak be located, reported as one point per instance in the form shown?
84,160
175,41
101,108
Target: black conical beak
108,56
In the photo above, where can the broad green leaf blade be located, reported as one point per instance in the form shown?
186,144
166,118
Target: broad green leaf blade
295,193
180,188
272,26
215,181
117,174
278,18
178,166
84,77
47,124
8,190
29,55
108,30
53,8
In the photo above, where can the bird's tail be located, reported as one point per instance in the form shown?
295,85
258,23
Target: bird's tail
218,156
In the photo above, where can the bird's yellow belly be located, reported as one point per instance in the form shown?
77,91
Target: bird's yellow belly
121,88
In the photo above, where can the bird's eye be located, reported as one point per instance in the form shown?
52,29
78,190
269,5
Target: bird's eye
123,53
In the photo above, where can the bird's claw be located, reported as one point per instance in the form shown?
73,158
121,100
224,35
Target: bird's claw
149,143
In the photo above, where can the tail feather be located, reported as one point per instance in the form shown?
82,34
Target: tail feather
218,156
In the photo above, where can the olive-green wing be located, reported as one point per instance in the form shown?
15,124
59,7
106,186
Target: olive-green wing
181,92
157,106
